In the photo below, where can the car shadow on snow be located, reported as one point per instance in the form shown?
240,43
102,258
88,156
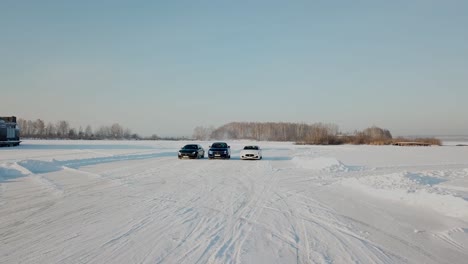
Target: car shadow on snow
235,155
277,158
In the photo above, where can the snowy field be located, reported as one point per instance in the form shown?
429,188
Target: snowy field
135,202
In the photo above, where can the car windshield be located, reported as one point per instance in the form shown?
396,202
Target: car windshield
251,147
190,147
219,145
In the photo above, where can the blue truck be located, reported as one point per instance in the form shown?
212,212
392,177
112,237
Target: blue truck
9,131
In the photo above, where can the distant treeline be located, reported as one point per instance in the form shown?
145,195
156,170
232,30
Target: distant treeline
63,130
301,133
39,129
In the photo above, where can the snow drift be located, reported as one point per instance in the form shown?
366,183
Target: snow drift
412,189
322,164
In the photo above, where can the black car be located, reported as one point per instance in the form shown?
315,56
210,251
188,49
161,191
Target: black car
193,151
219,150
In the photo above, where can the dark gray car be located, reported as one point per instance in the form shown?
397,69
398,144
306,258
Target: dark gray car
219,150
192,151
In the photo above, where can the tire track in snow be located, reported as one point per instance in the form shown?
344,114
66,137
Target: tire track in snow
324,221
215,228
230,251
214,234
184,205
300,239
353,222
446,237
138,228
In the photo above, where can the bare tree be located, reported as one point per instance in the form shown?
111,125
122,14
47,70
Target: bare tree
103,132
72,133
80,133
127,134
63,128
88,132
154,137
50,130
116,131
39,127
202,133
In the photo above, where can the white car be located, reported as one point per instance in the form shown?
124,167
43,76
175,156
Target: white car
251,152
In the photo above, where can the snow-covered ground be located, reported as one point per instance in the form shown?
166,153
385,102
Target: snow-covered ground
135,202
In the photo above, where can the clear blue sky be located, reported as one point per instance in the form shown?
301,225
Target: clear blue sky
167,66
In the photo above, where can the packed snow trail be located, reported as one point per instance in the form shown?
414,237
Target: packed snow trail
135,202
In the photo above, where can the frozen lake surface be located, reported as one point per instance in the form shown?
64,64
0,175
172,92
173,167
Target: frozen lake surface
135,202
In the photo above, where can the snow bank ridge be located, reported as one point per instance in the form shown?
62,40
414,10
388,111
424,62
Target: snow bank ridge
11,171
30,168
413,189
39,166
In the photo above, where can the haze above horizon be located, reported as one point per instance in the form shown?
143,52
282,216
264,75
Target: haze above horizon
167,67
